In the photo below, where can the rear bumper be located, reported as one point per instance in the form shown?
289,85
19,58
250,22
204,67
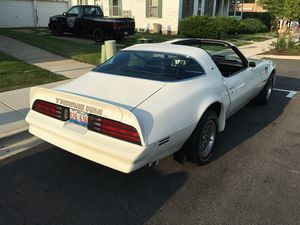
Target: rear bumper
116,154
123,32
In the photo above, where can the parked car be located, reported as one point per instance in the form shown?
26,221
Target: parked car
149,101
88,19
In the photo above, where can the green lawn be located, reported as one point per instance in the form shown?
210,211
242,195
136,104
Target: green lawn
89,53
15,74
86,50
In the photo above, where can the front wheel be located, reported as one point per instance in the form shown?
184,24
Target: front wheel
203,138
57,30
264,96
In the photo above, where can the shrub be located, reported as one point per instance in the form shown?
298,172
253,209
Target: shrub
251,25
226,25
199,26
208,27
265,17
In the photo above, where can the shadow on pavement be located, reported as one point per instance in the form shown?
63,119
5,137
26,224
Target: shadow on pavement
253,118
66,189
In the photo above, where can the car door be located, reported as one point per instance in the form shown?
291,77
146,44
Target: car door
73,17
241,84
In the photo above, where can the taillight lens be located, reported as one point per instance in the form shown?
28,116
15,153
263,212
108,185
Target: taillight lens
52,110
114,129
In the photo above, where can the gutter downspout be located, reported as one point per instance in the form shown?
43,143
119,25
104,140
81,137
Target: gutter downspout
35,14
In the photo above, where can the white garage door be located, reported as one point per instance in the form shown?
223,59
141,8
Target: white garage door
46,9
20,13
16,13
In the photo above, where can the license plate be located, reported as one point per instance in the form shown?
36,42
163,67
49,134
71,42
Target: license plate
78,117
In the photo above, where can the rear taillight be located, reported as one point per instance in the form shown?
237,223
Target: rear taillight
52,110
114,129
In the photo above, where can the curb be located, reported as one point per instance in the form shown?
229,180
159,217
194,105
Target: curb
17,143
13,133
280,57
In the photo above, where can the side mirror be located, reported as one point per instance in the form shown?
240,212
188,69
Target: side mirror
64,13
252,64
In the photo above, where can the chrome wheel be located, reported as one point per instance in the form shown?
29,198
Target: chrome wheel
269,90
207,137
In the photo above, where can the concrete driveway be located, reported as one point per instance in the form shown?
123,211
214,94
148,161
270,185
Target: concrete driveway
254,178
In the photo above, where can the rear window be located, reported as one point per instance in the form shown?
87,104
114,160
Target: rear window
152,65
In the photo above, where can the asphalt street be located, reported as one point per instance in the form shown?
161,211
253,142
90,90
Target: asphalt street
253,179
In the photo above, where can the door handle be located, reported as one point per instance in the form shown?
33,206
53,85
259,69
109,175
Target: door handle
241,85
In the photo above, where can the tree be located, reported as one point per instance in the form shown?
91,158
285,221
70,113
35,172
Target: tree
292,9
276,7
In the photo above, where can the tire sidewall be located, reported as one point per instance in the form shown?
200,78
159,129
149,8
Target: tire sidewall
57,30
196,138
98,35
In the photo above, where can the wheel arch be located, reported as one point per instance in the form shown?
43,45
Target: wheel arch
218,107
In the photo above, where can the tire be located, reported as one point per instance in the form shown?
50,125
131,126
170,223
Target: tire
203,139
263,98
57,30
119,38
98,35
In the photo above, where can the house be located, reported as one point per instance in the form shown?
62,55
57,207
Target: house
168,13
251,6
30,13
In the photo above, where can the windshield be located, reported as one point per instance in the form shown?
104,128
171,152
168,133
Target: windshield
152,65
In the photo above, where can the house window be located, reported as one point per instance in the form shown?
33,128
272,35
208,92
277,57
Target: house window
187,8
154,8
209,7
115,7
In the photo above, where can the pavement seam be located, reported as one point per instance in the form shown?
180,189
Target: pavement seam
5,104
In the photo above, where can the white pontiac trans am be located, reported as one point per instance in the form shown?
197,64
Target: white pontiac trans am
149,101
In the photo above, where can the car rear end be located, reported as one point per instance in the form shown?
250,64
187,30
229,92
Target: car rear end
95,130
124,26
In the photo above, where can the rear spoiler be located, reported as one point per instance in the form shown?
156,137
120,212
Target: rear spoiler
88,105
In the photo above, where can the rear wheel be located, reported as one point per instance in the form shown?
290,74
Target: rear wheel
203,139
57,30
119,37
98,35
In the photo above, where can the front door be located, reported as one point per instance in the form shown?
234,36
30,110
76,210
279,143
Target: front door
73,17
241,80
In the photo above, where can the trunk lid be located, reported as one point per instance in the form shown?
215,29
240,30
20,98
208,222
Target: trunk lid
126,92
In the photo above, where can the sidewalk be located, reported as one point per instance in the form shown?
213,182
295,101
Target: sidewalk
256,48
42,58
14,105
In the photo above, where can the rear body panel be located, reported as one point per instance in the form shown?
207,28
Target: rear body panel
106,150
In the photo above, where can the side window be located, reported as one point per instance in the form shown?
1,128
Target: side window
74,11
229,56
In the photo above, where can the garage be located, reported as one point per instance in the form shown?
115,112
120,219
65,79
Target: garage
29,13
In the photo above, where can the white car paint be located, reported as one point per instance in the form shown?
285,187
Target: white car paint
161,112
